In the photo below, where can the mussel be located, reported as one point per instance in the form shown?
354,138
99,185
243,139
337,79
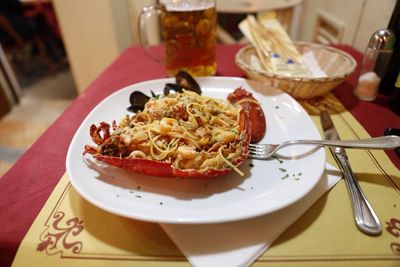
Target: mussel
172,86
137,100
183,80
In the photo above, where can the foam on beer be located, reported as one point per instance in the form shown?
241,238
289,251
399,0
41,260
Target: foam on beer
173,5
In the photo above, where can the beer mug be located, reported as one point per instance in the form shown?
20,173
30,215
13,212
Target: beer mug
188,29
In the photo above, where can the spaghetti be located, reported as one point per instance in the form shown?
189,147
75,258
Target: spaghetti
189,131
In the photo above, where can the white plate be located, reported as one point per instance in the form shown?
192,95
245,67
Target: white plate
267,186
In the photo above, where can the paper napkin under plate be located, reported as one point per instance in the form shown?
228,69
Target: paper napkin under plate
240,243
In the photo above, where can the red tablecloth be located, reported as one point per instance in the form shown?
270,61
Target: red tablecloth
28,184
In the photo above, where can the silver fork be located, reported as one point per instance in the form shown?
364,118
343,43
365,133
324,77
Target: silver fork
265,151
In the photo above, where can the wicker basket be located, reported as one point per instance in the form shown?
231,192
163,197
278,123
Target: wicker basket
337,64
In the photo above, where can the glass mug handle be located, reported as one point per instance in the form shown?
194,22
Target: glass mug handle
144,16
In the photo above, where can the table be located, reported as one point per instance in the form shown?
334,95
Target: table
28,184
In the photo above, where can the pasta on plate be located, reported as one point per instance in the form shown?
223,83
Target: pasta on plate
182,134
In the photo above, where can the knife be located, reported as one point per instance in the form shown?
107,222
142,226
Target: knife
365,217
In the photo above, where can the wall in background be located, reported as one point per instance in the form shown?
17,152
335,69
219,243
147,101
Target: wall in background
376,15
96,32
89,37
354,20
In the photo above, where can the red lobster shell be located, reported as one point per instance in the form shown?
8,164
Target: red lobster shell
257,120
250,116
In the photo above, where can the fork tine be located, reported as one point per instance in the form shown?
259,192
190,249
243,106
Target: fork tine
258,150
252,152
257,147
257,155
254,145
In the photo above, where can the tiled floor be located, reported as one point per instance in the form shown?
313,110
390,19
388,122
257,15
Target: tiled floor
42,102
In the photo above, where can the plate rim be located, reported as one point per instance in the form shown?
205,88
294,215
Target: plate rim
184,220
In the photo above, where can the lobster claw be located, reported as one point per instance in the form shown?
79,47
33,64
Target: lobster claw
257,124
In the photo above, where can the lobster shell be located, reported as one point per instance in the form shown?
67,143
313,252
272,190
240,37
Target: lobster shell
164,168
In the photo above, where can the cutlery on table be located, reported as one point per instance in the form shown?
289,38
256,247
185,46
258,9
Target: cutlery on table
265,151
366,219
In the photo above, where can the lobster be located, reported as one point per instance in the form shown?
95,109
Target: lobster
258,124
252,125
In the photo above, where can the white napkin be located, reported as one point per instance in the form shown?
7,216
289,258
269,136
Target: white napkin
242,242
312,64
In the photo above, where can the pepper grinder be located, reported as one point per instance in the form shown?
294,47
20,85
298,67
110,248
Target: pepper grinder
375,61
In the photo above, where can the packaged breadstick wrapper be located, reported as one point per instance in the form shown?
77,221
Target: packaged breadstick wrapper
276,52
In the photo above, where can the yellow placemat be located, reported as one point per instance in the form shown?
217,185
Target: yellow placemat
69,231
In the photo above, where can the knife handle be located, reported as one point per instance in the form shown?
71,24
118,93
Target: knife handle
366,219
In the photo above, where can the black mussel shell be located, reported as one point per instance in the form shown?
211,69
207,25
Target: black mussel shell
185,80
137,100
135,108
174,87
